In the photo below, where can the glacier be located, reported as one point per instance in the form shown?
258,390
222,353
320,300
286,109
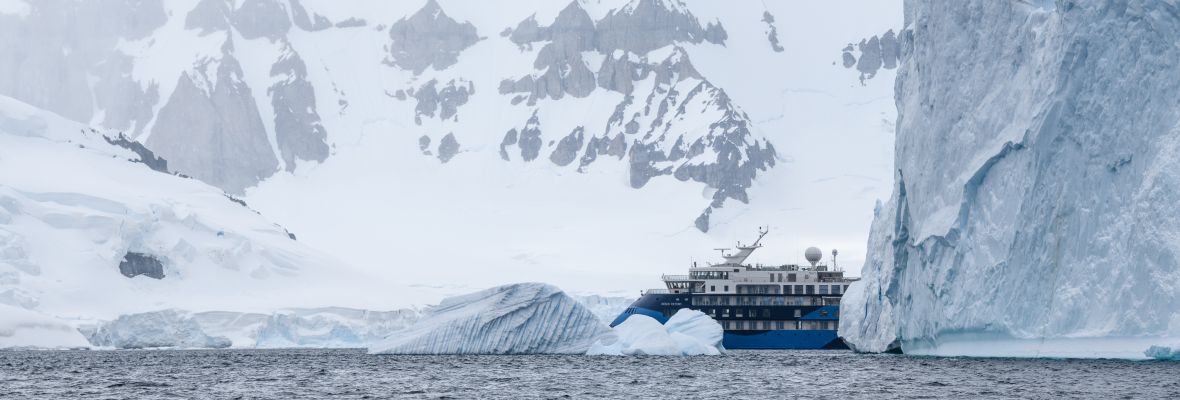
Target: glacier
26,329
140,238
159,329
1033,210
325,327
687,333
523,318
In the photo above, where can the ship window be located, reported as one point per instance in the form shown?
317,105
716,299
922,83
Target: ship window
786,289
810,289
725,313
726,288
823,289
712,288
790,277
798,313
835,289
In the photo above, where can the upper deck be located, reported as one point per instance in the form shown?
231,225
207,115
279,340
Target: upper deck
734,277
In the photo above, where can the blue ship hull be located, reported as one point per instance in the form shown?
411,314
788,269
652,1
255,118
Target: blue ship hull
662,306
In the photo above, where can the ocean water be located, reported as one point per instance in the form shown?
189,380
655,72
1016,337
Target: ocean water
352,374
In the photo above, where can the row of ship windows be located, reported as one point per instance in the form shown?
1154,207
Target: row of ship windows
788,289
779,325
760,301
753,313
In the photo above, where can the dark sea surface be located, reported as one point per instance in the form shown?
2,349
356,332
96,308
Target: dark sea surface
352,374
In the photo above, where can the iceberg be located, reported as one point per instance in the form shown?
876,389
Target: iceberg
523,318
1164,352
1035,185
159,329
26,329
687,333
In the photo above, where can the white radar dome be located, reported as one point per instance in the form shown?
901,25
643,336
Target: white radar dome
813,254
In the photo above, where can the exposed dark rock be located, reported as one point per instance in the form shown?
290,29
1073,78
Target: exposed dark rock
351,22
875,54
429,38
716,34
424,144
571,33
146,157
54,55
772,32
126,105
509,140
448,147
209,16
446,101
530,139
650,25
306,21
136,264
214,133
298,131
262,18
567,149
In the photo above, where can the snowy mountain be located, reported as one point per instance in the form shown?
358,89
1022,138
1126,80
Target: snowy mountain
94,226
453,145
1033,205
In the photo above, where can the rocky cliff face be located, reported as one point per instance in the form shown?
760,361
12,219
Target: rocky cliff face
1032,196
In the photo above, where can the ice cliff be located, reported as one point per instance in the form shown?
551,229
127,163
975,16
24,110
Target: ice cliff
687,333
167,328
524,318
1035,185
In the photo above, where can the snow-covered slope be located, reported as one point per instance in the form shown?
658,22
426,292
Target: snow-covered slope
93,227
525,318
535,134
1035,192
21,328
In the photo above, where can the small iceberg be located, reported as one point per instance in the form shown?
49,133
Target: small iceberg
1163,352
687,333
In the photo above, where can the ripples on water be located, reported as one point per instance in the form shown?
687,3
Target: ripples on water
316,374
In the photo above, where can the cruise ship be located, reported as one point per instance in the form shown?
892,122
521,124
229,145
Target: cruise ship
760,307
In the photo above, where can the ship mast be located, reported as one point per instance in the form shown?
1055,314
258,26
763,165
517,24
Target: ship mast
744,251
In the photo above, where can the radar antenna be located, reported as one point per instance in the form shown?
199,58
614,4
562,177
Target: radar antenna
834,265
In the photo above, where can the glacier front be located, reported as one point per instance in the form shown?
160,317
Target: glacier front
1035,184
523,318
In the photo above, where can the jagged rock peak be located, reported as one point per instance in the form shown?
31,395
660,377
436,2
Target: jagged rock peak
429,38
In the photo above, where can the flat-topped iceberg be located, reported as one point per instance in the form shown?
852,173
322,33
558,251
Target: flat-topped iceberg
524,318
687,333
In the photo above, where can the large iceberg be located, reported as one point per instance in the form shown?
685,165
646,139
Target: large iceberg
524,318
687,333
1035,185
